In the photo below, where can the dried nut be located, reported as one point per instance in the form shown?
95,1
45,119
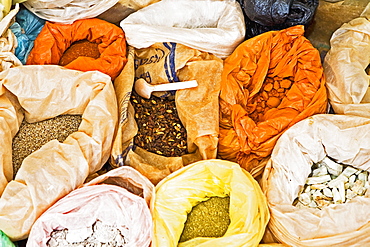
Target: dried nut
268,87
285,83
265,95
276,85
273,102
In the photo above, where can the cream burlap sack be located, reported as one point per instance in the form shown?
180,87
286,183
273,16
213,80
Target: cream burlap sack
38,93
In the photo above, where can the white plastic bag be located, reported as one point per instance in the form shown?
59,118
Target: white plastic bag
119,198
39,92
345,68
343,138
214,26
68,11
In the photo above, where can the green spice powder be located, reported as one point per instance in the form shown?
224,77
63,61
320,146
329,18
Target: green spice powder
207,219
32,136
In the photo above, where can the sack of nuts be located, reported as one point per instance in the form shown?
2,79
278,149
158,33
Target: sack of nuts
170,129
269,83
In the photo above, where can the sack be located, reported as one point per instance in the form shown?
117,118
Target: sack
124,8
55,38
8,42
119,198
345,68
26,28
197,107
264,16
263,63
183,189
215,27
68,11
36,93
346,140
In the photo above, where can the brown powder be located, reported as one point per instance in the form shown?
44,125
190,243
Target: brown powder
79,48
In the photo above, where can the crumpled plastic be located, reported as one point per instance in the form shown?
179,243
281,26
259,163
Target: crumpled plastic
68,11
282,53
180,191
345,68
26,28
344,138
55,38
36,93
215,26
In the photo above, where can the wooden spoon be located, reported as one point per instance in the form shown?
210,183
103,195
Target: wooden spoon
145,89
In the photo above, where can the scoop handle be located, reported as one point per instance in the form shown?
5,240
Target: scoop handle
174,85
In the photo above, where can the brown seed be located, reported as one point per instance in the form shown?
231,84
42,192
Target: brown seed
273,102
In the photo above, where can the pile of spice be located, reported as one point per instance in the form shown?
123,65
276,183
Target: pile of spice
332,183
207,219
99,234
160,129
81,48
32,136
270,96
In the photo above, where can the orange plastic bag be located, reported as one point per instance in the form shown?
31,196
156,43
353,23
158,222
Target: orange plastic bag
55,38
246,137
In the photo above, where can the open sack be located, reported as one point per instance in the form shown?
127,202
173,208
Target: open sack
346,68
118,199
55,38
37,93
197,107
211,26
68,11
183,189
346,140
269,83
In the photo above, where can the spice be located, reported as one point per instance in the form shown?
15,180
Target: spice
332,183
32,136
99,234
207,219
160,129
270,96
79,48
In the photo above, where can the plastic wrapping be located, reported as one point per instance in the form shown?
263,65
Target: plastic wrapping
55,38
345,68
183,189
346,140
275,54
41,92
211,26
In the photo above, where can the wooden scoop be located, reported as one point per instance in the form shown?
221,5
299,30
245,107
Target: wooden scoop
145,89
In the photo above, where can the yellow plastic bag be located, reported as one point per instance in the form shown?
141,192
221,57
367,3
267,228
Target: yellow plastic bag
37,93
180,191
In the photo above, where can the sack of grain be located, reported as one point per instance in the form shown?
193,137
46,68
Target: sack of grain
37,93
188,189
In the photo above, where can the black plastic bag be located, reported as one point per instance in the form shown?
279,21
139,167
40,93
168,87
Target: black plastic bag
262,16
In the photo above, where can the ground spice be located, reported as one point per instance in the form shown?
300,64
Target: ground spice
160,129
207,219
78,49
32,136
270,96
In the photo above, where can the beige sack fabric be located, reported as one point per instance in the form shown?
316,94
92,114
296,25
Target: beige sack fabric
346,139
197,107
41,92
345,68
